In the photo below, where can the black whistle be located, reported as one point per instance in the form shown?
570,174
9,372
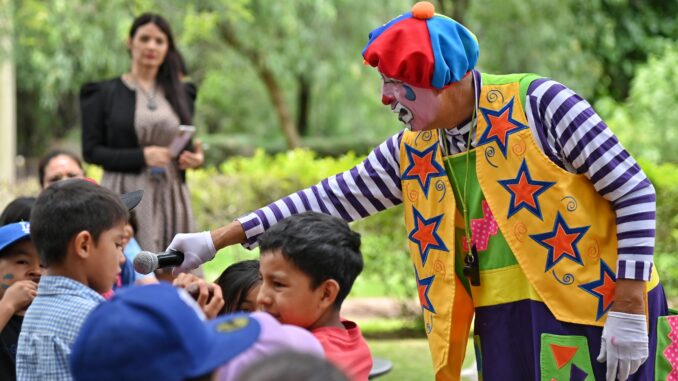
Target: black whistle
471,267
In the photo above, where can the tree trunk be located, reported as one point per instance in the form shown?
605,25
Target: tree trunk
455,8
304,102
282,110
273,88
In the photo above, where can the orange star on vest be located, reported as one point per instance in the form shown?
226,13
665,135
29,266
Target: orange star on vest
500,124
525,191
422,166
603,289
425,234
423,287
561,242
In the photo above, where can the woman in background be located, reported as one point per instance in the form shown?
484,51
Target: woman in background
130,121
59,165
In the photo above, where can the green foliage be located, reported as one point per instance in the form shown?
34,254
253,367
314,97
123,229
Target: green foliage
533,36
646,122
665,177
595,47
242,184
622,34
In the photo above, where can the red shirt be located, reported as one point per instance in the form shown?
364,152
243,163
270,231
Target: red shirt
347,349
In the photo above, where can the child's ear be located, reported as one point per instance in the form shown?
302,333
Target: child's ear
330,290
83,244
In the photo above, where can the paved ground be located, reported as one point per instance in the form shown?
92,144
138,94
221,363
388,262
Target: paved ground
365,308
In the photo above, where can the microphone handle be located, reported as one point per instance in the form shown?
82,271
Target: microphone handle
171,258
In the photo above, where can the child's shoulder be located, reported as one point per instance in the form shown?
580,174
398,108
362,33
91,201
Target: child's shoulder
62,298
348,335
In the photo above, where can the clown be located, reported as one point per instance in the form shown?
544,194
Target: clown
522,209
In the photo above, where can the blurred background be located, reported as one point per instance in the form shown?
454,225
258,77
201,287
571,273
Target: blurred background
285,100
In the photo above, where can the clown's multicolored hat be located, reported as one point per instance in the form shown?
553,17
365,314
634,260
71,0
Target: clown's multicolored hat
422,48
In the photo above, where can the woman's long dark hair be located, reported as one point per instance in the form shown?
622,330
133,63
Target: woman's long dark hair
172,68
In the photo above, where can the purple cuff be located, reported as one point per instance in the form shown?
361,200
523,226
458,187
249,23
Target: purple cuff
253,229
636,270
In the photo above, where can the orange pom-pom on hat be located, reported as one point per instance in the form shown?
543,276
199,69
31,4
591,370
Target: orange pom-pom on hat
423,10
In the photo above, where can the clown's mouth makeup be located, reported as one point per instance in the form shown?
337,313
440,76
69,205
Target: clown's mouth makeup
404,114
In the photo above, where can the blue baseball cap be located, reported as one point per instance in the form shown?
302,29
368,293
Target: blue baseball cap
12,233
156,332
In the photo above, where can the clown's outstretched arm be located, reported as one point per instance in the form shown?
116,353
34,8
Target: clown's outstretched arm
366,189
576,138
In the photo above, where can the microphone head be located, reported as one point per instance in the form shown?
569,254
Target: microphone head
145,262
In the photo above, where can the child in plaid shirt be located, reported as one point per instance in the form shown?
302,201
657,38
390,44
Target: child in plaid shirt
77,227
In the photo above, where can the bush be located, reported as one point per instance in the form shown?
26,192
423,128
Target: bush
243,184
665,177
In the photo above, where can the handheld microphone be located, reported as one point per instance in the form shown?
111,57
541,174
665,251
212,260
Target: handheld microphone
146,262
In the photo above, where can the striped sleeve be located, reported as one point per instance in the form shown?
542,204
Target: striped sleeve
369,187
576,138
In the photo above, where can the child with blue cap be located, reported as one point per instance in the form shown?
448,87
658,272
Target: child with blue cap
165,336
19,276
524,214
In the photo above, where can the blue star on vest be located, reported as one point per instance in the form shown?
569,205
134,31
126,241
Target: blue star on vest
525,191
602,289
425,234
561,242
423,287
422,166
500,124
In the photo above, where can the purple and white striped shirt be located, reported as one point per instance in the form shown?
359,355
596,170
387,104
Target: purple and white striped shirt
567,130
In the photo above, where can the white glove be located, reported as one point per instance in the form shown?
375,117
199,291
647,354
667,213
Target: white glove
198,248
624,344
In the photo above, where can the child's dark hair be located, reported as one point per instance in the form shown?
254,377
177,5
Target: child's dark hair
236,281
67,208
321,246
18,210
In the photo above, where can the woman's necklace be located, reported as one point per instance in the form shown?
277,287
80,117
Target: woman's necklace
151,102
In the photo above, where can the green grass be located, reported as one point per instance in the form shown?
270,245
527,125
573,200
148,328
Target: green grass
411,358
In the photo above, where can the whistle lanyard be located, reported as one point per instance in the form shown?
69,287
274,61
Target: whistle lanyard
471,266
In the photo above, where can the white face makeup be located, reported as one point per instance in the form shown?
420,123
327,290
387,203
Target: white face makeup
416,107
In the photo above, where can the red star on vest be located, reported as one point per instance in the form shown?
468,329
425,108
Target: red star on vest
602,289
500,124
422,166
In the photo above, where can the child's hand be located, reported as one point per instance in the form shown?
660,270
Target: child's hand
207,295
20,295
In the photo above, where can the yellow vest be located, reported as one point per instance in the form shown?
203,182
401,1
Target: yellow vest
560,230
